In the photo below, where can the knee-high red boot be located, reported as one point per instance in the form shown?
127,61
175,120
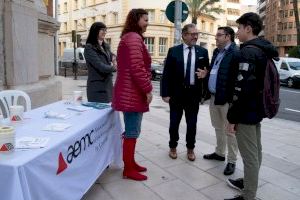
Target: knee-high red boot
128,158
136,166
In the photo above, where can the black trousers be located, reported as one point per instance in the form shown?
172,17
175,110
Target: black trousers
188,103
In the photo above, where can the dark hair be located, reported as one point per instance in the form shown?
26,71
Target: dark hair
187,26
132,20
228,31
253,20
94,32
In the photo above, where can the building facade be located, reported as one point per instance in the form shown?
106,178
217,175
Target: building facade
79,15
280,26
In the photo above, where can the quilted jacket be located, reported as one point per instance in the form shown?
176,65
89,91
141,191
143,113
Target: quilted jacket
133,80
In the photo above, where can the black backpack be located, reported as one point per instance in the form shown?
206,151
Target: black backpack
271,88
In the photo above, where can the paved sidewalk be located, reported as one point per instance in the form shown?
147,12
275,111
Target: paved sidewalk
200,180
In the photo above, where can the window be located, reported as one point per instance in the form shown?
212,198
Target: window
162,46
211,27
278,38
162,17
115,18
231,11
281,13
149,42
83,3
203,28
108,41
279,26
284,66
294,37
286,13
75,6
151,15
83,23
291,13
283,38
289,38
65,7
234,1
290,25
104,19
75,24
285,26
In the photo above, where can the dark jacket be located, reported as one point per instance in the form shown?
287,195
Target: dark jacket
99,83
172,83
226,74
247,103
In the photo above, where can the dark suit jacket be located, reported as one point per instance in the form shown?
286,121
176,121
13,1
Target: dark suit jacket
99,83
172,83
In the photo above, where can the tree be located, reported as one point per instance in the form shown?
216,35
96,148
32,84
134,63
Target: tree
294,52
296,14
202,7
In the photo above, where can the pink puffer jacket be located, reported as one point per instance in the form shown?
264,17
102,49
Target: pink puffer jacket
133,75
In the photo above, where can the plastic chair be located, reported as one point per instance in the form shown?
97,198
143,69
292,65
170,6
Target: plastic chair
13,97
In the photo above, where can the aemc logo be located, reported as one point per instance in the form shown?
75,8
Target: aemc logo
74,151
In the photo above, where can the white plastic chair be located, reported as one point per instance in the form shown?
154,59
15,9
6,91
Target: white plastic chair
13,97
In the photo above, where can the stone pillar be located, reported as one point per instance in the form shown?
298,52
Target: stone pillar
28,61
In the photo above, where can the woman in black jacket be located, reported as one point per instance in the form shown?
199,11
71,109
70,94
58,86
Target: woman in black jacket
100,63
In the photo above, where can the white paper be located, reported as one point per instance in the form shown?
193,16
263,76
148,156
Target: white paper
56,127
55,115
31,142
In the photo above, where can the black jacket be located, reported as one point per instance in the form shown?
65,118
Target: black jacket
247,105
172,82
99,83
226,74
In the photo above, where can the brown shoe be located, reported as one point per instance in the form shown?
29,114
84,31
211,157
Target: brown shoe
191,155
173,153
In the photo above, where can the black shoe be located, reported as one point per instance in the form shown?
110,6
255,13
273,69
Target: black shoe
236,184
214,156
239,197
230,168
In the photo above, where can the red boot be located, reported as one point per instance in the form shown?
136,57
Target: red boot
128,158
136,166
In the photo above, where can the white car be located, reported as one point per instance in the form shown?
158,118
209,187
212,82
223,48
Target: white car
289,70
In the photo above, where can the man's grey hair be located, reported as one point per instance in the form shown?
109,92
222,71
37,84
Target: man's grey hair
186,28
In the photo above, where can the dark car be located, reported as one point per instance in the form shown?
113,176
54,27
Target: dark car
156,71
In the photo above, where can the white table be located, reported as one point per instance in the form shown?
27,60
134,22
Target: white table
72,160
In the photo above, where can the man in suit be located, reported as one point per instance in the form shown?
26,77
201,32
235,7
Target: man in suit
181,87
224,66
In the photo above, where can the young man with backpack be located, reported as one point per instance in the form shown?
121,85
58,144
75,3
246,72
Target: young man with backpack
253,83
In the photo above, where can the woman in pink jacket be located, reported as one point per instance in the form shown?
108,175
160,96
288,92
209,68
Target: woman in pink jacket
132,92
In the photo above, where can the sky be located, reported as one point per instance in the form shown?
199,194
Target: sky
249,2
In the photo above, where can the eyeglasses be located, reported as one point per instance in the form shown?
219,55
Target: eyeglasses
193,34
220,34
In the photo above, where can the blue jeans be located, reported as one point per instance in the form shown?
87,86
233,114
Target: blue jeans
132,121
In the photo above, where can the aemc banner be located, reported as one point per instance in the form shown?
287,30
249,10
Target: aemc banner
70,164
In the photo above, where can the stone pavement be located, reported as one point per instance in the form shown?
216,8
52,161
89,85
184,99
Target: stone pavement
200,180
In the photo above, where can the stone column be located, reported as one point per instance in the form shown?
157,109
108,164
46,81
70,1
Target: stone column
28,62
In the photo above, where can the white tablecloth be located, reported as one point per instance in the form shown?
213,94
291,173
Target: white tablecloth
72,160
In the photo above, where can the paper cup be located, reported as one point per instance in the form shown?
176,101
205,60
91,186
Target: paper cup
16,112
77,97
7,139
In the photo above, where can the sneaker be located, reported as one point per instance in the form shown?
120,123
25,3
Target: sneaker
230,168
214,156
236,184
239,197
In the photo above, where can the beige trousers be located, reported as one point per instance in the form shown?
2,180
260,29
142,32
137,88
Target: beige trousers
218,116
249,143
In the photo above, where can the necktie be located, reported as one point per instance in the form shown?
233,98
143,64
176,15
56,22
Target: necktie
188,68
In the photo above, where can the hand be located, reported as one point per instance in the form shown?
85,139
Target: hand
201,73
166,99
149,97
231,128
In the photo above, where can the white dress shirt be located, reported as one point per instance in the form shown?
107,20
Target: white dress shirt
185,57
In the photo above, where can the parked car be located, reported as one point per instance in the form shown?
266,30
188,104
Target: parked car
68,58
289,70
157,71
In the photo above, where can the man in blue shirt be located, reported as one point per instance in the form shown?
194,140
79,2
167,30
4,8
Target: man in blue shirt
220,85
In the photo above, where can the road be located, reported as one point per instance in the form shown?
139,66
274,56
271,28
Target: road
289,107
290,104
